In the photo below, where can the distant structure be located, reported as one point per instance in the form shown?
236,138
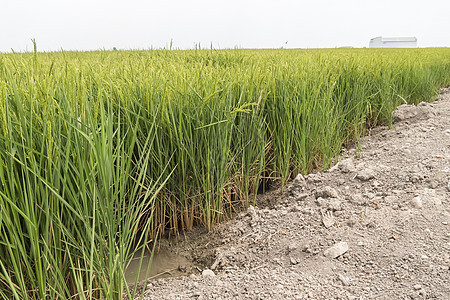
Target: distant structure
393,42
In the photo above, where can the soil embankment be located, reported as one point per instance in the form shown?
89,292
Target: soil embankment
375,226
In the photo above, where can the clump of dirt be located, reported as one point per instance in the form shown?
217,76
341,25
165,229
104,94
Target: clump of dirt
376,225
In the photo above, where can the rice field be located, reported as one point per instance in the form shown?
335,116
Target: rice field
102,152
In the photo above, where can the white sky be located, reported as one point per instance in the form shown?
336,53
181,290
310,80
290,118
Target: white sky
139,24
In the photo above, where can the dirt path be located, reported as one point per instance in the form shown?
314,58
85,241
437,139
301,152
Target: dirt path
373,227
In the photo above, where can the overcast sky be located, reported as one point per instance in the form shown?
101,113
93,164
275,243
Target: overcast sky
139,24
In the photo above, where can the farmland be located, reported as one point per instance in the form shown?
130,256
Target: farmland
104,151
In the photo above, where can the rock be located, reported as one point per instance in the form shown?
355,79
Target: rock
405,112
313,178
251,211
334,204
365,175
346,165
301,196
327,191
208,273
336,250
357,199
352,221
370,195
416,202
448,186
299,179
328,219
296,193
434,184
321,202
345,280
417,287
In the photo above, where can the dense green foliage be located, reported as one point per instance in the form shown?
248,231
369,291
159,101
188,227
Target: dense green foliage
100,151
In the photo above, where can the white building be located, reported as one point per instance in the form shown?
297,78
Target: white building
393,42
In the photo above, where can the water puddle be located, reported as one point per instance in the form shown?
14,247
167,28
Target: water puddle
165,264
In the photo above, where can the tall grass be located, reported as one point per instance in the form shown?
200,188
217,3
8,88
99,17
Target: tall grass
103,151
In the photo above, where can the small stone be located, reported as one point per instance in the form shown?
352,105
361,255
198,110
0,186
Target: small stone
416,202
320,201
444,223
338,213
334,204
365,175
370,195
327,191
293,260
328,219
346,165
434,184
352,221
336,250
448,186
208,273
417,287
301,196
390,199
357,199
313,178
299,179
251,211
345,280
182,268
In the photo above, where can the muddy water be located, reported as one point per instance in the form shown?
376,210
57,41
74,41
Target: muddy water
164,264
